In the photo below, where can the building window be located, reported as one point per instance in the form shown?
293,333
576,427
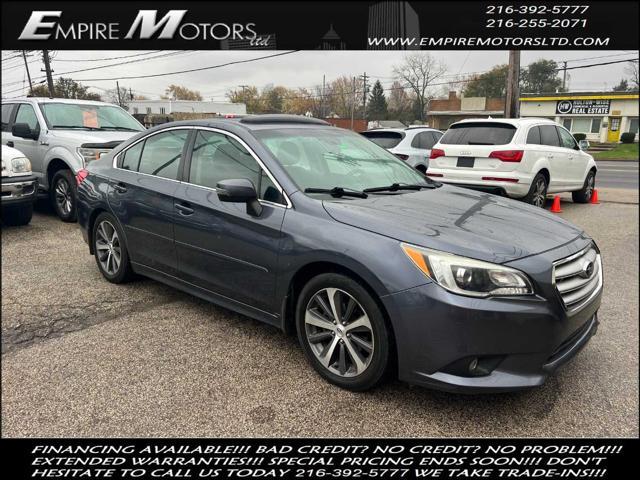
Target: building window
162,110
633,125
566,123
148,110
582,125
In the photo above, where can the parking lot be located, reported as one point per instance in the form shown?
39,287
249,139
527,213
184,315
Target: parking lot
83,357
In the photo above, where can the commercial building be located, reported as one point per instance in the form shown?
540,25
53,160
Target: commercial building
602,116
166,107
442,113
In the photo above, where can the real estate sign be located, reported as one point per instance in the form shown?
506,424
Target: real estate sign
583,107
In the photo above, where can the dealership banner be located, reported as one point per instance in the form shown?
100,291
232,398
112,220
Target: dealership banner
320,458
325,25
583,107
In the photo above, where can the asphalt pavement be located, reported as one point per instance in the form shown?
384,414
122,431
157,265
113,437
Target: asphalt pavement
83,357
617,174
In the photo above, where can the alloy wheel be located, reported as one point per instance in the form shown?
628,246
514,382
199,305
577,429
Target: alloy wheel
339,332
63,196
540,193
108,248
591,181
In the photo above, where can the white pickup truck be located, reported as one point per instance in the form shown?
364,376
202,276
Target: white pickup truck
19,187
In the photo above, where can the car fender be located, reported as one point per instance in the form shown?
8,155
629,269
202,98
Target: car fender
540,163
61,153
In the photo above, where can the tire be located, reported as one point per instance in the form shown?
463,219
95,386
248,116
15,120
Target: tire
422,169
358,356
108,245
584,194
538,192
17,215
63,193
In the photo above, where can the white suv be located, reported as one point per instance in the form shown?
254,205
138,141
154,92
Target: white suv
413,144
522,158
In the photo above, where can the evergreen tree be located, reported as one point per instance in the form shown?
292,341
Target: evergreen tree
377,103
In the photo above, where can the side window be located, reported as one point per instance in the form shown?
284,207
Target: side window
423,140
436,137
217,157
26,114
567,140
533,137
549,135
6,116
131,157
161,154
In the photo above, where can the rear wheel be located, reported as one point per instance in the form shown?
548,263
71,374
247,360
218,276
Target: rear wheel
342,332
63,195
538,192
110,250
586,192
422,169
17,215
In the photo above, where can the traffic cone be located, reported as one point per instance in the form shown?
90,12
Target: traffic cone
594,197
555,208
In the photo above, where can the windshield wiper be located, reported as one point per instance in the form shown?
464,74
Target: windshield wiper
337,192
480,143
394,187
78,127
124,129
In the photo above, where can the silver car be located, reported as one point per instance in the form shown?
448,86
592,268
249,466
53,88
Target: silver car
413,144
61,136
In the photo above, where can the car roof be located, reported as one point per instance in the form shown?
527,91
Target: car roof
72,101
403,130
516,122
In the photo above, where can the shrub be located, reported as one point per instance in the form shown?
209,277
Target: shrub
580,136
628,137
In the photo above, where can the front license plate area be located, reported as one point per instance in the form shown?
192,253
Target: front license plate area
466,162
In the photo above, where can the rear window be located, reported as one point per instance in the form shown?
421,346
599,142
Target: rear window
384,139
480,133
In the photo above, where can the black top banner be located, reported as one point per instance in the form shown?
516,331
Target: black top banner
451,25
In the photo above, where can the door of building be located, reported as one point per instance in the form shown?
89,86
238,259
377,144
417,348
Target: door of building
613,134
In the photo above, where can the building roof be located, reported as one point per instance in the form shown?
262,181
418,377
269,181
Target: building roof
533,97
465,112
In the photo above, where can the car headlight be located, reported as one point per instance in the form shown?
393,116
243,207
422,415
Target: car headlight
20,165
467,276
91,154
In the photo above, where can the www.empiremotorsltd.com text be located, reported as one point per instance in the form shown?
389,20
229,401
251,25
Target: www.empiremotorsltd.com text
320,461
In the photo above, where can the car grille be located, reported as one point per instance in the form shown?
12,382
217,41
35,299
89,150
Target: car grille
578,278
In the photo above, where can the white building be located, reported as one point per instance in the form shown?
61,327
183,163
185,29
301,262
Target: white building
602,116
167,107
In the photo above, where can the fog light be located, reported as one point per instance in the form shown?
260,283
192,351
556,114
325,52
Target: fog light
473,365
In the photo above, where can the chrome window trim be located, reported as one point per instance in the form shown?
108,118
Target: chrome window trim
288,205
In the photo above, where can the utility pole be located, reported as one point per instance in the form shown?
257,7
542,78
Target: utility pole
130,94
26,66
47,69
512,100
118,90
353,102
365,91
564,76
322,113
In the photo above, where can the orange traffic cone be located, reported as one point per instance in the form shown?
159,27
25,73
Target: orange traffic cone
555,208
594,197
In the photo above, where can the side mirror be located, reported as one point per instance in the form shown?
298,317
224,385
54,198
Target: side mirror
584,144
240,190
22,130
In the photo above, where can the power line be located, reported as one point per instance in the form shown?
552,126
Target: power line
105,59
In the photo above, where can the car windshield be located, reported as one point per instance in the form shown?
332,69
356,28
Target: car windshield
324,158
88,117
478,133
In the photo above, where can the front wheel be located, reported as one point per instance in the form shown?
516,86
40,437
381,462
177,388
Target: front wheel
63,195
538,192
585,193
342,332
110,249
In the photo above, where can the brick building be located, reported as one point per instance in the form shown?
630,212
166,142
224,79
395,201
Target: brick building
443,112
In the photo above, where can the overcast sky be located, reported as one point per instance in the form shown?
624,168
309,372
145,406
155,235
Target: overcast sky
300,69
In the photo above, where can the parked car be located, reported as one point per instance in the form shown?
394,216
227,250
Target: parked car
61,136
524,158
412,145
19,187
379,269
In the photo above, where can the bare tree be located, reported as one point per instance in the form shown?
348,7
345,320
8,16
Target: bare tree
632,70
418,72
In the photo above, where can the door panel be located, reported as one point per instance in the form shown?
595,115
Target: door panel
556,156
613,134
575,161
31,148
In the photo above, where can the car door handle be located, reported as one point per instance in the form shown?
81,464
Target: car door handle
184,209
120,187
9,143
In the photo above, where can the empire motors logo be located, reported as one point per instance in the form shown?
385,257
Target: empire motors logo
44,25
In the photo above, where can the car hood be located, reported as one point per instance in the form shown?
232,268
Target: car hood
88,136
465,222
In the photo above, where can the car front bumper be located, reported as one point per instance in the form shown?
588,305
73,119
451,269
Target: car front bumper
516,342
19,190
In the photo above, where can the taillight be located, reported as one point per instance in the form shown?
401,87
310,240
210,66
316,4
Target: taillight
402,156
81,175
507,155
436,152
